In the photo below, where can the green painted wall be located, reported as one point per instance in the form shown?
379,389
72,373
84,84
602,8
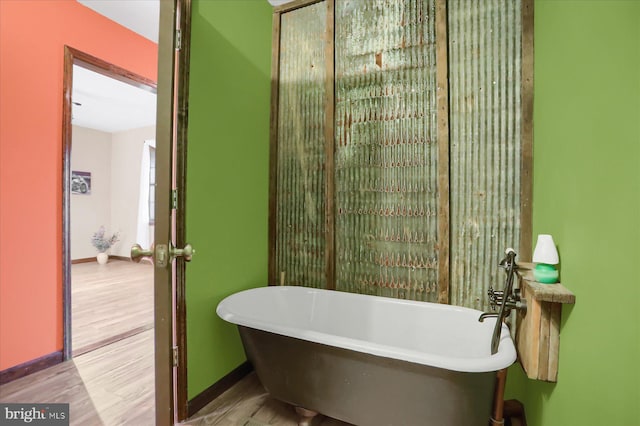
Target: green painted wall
587,195
227,193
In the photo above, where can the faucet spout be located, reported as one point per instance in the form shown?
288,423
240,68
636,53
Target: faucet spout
487,315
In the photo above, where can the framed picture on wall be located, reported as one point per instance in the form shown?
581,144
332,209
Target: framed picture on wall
81,183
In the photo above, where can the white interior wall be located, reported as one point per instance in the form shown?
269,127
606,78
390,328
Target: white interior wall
90,152
126,160
114,160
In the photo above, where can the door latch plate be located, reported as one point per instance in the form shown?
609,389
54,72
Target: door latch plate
162,255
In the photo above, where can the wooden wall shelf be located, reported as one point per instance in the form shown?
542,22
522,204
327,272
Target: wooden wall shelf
538,330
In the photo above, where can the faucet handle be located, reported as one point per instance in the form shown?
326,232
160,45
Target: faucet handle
515,295
492,293
509,260
495,297
492,298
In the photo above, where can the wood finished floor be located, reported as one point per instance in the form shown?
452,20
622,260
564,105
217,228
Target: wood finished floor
109,302
114,386
110,380
111,386
248,404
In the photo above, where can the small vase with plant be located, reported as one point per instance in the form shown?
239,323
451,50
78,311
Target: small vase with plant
102,244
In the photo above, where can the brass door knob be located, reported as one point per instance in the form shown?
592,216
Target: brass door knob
138,253
187,252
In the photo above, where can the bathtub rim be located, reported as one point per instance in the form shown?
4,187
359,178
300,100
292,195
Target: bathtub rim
505,356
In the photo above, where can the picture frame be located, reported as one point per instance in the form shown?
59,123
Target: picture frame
80,182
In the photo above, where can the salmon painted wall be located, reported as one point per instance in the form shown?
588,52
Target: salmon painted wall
32,39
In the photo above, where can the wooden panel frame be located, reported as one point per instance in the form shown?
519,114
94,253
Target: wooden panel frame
329,132
442,118
526,165
297,4
273,147
442,79
272,273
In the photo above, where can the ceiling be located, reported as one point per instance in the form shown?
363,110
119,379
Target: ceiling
141,16
109,105
105,104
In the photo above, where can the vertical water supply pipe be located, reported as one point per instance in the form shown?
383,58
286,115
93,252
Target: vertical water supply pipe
509,264
501,376
498,402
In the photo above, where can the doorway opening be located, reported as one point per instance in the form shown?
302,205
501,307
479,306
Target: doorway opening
108,177
112,166
109,119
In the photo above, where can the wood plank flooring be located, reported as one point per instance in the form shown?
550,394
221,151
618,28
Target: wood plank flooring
109,302
111,386
110,380
248,404
114,384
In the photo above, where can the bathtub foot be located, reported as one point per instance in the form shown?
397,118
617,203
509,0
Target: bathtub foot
306,416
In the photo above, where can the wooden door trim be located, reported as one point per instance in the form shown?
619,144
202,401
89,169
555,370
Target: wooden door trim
182,109
76,57
165,158
172,122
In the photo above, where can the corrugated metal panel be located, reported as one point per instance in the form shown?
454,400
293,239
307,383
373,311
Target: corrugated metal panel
485,144
300,242
386,151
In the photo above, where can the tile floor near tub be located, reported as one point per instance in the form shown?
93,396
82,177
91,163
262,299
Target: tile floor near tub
248,404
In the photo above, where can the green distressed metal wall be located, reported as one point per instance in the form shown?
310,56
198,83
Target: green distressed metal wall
300,240
385,149
485,143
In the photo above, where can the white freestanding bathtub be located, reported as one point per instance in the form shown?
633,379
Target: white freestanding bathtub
370,360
